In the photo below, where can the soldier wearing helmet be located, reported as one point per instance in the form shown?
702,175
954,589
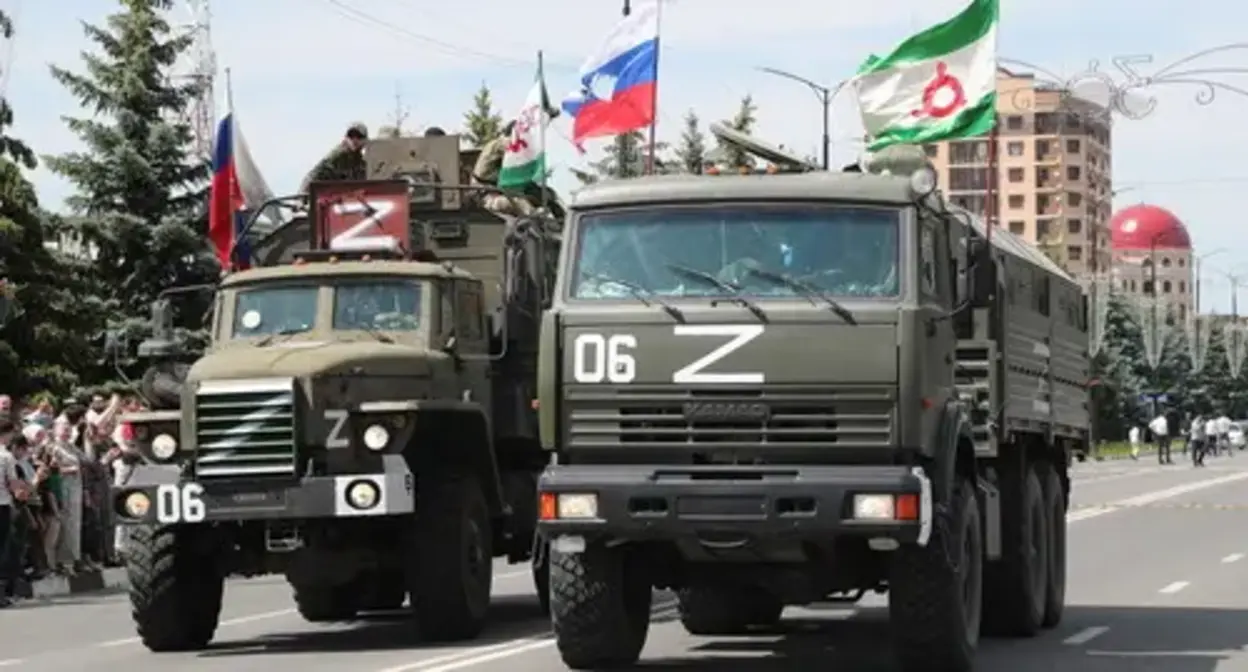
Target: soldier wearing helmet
344,162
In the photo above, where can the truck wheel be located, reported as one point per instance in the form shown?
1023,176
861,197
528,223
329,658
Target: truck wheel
599,606
386,591
325,604
1018,583
727,610
451,561
935,592
175,593
1055,593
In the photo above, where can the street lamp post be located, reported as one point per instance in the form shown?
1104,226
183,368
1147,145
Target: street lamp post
825,95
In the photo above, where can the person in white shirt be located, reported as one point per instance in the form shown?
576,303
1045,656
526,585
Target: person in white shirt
1133,436
1196,441
1161,435
1224,433
1211,436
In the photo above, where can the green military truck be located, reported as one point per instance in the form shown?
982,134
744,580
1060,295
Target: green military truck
363,419
771,390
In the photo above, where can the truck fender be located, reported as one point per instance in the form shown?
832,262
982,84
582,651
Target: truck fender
459,435
953,436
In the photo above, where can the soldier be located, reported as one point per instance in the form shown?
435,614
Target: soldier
485,172
344,162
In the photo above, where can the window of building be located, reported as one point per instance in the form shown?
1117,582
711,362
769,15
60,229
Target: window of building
1042,229
932,151
1017,201
1133,285
1074,123
969,179
1148,287
1043,148
1018,227
975,203
1042,177
968,153
1046,123
1074,200
1044,203
1074,253
1014,122
1016,174
1182,286
1182,262
1073,172
1074,226
1015,148
1165,262
1072,146
1166,287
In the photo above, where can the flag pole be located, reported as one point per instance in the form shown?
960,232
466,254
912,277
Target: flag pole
621,141
654,100
541,126
229,93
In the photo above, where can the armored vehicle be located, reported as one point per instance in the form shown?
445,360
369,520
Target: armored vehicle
363,420
785,389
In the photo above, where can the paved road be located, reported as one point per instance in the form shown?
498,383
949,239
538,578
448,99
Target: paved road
1158,581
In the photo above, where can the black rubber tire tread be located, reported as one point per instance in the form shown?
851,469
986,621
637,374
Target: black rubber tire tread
445,603
175,597
926,606
1013,606
599,609
327,604
1055,504
386,592
710,611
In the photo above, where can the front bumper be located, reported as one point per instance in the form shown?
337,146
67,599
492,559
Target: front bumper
649,503
172,500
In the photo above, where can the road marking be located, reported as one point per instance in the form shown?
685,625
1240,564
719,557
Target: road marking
491,652
1174,587
1086,635
1234,557
1153,497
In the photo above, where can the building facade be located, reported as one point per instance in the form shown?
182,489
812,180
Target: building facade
1052,183
1151,245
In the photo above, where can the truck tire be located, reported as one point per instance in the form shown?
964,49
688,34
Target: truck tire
1055,591
175,594
326,604
599,607
936,591
727,610
385,591
1017,584
451,560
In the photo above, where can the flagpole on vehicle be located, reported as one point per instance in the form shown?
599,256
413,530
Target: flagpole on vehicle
621,141
542,120
654,101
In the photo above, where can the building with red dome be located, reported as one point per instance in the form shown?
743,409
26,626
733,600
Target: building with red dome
1150,242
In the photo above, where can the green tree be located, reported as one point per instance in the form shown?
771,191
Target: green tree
691,152
743,121
139,190
482,123
631,151
45,340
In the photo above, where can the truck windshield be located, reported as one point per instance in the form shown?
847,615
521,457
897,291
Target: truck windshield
274,310
840,250
377,305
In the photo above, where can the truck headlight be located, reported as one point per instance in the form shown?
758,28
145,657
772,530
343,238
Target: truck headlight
363,495
577,505
164,447
136,505
376,437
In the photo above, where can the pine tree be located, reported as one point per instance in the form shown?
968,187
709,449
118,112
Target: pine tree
140,191
45,340
744,122
631,153
691,152
482,123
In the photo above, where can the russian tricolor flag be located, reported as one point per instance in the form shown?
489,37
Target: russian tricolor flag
618,84
237,190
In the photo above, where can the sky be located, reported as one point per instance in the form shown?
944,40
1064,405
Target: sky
301,70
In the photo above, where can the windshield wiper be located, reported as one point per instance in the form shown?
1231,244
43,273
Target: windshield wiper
805,289
268,340
733,291
376,334
643,294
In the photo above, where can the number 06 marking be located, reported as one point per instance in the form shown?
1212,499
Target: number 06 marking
596,358
181,503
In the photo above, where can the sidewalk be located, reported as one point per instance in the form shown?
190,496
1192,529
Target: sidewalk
112,578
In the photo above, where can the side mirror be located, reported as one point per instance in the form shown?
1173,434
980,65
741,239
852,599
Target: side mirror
981,271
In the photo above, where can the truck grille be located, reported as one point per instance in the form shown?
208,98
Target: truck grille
245,428
669,417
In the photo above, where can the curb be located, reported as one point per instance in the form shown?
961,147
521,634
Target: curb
110,579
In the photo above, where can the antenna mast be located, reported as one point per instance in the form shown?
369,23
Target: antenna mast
200,68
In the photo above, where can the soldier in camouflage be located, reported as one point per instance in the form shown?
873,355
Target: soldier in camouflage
485,173
344,162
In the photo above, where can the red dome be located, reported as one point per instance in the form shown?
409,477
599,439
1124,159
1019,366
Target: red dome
1142,227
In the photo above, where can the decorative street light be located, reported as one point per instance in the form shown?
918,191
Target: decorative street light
825,95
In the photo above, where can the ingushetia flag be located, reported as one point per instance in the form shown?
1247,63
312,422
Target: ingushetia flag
937,85
524,162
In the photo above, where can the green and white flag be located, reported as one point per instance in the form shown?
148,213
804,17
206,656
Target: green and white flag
524,162
937,85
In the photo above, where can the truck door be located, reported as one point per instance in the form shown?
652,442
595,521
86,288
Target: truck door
936,299
473,339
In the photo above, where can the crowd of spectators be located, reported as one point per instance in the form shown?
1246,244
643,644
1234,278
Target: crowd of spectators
56,465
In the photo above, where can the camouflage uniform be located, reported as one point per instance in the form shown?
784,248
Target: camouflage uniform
486,171
342,163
